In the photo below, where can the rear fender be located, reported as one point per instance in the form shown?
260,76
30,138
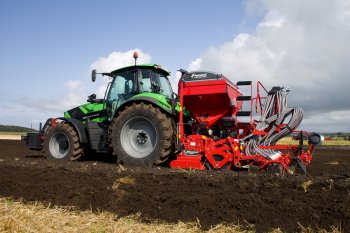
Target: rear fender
166,107
78,126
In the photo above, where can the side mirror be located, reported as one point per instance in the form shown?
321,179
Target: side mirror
91,98
93,75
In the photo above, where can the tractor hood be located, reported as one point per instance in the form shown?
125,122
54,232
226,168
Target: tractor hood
93,111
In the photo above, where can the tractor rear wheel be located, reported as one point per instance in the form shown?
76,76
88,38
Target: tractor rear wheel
61,142
142,135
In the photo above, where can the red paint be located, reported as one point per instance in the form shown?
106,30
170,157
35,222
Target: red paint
209,101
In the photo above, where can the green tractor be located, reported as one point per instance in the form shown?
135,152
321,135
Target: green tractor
135,121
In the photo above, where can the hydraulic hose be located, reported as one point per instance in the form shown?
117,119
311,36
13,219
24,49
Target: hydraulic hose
276,111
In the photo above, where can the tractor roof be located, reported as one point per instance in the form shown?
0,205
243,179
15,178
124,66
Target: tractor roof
155,66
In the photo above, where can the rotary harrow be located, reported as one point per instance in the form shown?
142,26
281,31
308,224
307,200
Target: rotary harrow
220,135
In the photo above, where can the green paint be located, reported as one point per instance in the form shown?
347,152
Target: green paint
89,109
158,99
66,115
92,107
114,103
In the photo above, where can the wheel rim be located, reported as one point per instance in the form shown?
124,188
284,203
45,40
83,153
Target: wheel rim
59,145
138,137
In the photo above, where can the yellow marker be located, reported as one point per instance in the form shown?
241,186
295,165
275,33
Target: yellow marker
180,109
236,148
179,136
204,137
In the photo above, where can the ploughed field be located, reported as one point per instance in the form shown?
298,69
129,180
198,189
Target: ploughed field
320,199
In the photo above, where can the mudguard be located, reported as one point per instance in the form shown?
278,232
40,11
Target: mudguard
78,126
165,106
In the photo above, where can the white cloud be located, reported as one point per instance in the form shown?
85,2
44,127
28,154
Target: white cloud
77,93
300,44
24,109
332,121
74,85
273,19
195,65
17,108
58,103
114,61
119,59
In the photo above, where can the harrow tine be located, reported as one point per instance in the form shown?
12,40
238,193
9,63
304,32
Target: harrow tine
301,165
295,164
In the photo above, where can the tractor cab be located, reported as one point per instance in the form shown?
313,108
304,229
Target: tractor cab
128,83
146,82
147,78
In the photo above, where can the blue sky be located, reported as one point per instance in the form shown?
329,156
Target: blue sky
47,49
54,41
44,44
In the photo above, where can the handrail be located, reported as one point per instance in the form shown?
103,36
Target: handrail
258,99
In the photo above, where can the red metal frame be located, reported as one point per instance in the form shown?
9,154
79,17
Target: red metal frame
208,102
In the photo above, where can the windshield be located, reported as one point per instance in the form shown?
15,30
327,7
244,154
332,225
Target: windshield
124,85
128,83
156,82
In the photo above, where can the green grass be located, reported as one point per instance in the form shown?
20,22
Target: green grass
13,133
289,141
16,216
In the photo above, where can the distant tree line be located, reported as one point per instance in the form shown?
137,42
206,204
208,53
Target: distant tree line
13,128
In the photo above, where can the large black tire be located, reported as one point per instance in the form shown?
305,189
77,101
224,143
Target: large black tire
61,142
142,135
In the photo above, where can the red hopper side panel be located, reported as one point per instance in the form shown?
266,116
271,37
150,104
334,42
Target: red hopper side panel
211,100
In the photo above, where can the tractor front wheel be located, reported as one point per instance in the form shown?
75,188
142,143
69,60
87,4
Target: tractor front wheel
61,142
142,135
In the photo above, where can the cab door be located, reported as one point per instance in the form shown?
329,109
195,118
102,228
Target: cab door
124,86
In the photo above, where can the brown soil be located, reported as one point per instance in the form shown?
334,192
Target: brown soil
320,199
